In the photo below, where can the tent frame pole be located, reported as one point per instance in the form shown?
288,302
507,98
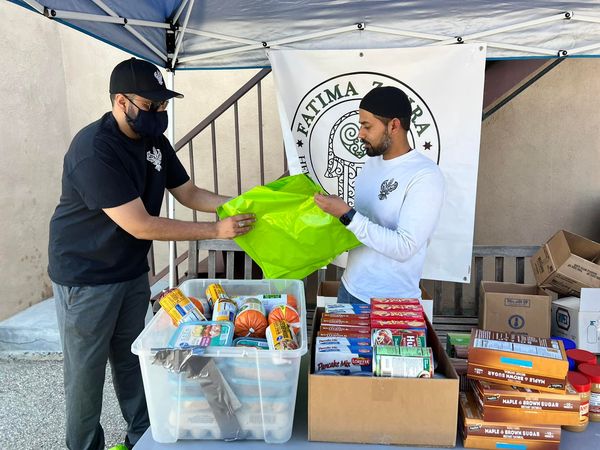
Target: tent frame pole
182,33
170,81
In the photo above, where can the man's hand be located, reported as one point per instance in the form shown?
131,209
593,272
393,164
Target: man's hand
235,226
332,204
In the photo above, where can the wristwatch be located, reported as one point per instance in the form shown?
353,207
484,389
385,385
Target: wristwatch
347,217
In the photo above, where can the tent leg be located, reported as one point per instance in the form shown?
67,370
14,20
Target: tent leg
170,79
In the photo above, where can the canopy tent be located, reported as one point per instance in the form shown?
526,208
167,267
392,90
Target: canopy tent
235,34
217,34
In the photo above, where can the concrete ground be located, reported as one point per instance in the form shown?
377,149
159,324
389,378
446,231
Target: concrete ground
32,405
32,401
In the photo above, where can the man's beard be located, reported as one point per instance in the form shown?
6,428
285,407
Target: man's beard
386,141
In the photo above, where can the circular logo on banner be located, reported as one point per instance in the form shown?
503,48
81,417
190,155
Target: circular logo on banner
325,129
516,322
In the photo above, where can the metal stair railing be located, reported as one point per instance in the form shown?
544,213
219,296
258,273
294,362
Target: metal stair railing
192,254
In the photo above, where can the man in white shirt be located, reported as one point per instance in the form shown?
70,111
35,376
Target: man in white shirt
398,198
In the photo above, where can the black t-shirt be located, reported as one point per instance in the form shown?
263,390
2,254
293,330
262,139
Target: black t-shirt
103,169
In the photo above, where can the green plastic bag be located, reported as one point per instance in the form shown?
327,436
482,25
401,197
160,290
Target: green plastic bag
292,236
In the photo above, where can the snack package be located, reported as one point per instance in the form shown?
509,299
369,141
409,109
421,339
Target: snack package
397,301
348,308
341,316
397,307
396,314
366,331
404,338
350,342
280,336
180,308
202,334
404,324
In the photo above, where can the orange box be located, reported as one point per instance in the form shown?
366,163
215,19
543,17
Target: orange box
478,433
500,403
519,360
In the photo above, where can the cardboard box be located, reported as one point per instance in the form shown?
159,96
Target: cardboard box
327,294
384,410
499,403
517,308
565,264
478,433
517,359
579,319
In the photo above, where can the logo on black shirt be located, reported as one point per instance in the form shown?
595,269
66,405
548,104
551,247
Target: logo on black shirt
386,188
155,157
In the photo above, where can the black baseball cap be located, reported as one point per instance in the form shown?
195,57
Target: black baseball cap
387,101
136,76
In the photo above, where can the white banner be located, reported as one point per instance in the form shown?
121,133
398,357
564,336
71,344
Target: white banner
319,92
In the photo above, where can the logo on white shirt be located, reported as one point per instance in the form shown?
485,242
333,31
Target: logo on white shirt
155,157
158,77
386,188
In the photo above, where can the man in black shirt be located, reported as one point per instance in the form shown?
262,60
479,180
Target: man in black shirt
114,176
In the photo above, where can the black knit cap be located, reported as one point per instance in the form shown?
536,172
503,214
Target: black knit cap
135,76
387,101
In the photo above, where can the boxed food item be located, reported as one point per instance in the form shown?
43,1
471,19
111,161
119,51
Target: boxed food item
457,344
501,403
478,433
327,297
565,264
516,359
253,379
513,307
339,360
386,336
336,416
579,319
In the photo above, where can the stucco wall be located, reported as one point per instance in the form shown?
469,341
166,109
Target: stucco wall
34,134
539,163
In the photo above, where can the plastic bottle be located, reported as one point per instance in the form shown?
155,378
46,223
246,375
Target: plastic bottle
592,333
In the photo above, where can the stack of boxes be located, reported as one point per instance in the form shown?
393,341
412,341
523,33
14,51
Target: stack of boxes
386,338
520,395
521,389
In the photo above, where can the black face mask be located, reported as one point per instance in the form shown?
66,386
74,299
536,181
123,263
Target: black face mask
148,123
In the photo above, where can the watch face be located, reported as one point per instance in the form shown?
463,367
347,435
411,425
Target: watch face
345,219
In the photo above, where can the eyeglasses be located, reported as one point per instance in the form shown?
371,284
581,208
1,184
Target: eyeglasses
149,105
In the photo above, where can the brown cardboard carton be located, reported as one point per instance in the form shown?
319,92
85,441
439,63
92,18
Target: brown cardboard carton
565,264
384,410
517,308
478,433
517,359
501,403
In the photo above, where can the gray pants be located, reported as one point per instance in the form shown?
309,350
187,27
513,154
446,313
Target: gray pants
96,324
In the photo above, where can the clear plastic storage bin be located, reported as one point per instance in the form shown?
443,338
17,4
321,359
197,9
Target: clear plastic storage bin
262,382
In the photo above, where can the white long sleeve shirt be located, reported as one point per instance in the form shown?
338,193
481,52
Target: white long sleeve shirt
398,205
